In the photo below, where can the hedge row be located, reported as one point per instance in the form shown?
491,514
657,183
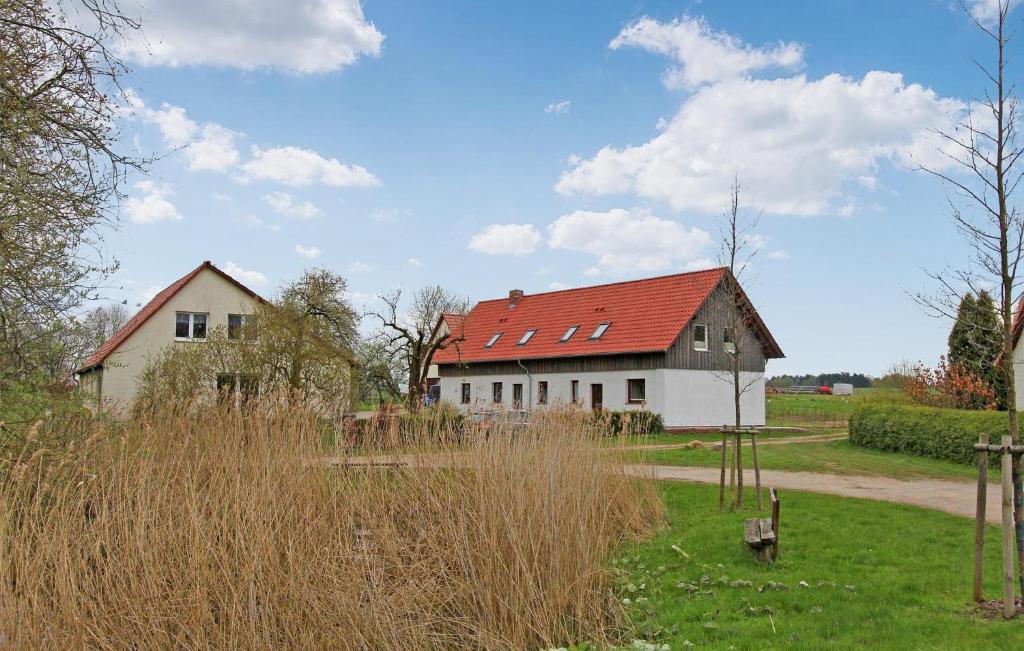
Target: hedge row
637,422
926,431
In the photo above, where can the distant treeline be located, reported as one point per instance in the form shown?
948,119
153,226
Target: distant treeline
858,380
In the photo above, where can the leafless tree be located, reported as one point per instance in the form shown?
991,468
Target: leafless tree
413,337
982,173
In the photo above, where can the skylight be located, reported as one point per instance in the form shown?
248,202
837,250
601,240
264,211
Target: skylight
526,337
569,333
493,340
600,330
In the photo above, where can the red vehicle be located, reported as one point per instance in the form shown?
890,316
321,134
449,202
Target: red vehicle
825,391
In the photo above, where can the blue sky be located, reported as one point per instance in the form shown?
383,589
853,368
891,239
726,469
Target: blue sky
537,145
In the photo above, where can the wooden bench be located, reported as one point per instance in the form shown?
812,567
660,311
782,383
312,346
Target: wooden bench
762,534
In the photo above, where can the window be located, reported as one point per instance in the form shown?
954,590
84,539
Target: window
542,392
189,326
730,344
241,326
599,330
700,337
574,391
526,337
493,340
496,393
517,396
569,333
465,393
636,390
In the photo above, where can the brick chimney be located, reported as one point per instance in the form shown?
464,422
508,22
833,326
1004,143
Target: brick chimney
514,297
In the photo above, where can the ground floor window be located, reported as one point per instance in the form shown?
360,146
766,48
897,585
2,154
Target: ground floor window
542,393
636,390
517,396
243,384
465,393
496,392
574,391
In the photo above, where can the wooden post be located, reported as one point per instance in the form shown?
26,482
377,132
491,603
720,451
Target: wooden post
1009,607
979,525
773,497
739,469
732,474
757,467
721,480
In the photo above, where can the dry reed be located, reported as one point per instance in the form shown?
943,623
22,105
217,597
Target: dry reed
225,528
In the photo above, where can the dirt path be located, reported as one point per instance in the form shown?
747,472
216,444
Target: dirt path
813,438
954,497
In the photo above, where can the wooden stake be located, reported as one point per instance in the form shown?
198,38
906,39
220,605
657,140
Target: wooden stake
732,475
721,480
1008,603
739,469
773,497
757,467
979,525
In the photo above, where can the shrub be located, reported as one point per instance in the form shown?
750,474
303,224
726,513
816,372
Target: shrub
630,422
926,431
948,385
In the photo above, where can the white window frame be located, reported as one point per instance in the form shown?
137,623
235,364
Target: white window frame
241,335
527,336
568,334
697,344
493,340
191,326
600,330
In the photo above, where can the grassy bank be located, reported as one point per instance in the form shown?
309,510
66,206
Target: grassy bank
877,575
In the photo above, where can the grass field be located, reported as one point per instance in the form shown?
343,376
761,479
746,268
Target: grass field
810,410
851,574
837,457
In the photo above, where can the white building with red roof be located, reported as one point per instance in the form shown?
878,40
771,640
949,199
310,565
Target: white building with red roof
659,344
180,315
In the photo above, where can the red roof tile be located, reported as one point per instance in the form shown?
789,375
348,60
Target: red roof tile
645,316
151,308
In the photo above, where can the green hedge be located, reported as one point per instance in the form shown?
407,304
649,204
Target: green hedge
926,431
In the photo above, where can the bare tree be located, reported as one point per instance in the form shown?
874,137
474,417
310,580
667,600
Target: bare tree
414,337
982,152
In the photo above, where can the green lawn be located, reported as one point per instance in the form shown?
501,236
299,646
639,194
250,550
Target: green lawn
810,410
838,457
672,438
877,575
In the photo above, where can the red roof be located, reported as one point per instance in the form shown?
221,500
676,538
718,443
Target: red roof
151,308
644,316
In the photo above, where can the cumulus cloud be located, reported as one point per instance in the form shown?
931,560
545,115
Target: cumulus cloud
986,12
305,36
153,205
627,242
414,262
243,275
506,239
210,147
558,108
702,54
310,252
796,144
299,167
284,204
214,151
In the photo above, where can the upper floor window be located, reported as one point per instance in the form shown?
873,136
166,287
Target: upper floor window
241,326
600,330
493,340
190,326
569,333
700,336
730,343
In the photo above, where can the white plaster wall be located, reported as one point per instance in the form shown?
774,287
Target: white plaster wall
684,398
1018,373
207,292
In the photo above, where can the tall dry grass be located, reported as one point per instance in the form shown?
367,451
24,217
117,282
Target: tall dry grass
226,529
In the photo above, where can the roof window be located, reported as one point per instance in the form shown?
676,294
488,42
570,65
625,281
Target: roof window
600,330
527,336
569,333
493,340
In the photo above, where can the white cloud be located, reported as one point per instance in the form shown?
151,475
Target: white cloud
700,264
506,239
627,242
777,255
298,167
555,285
795,144
358,267
310,252
307,36
214,151
284,204
702,54
153,205
244,276
252,221
414,262
986,12
389,215
558,108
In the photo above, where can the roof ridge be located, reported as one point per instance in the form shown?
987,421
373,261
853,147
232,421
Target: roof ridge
611,284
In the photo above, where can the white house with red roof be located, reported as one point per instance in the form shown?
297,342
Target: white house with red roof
659,344
180,315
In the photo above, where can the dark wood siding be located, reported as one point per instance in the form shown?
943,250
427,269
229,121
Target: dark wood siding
715,314
636,361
